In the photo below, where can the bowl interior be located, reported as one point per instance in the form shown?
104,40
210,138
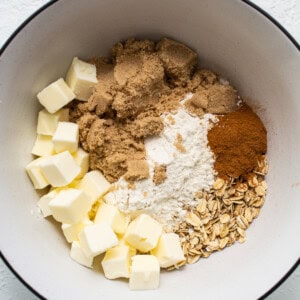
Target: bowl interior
231,38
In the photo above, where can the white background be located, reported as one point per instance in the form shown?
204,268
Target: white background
14,12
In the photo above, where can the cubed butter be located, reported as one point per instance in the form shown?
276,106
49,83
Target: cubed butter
47,123
81,78
70,206
82,159
143,233
43,145
55,96
145,273
74,184
94,184
168,250
34,172
60,169
111,215
58,189
66,137
71,231
78,255
96,239
122,242
43,203
116,262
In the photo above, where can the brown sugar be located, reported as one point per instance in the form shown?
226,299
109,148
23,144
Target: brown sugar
146,126
160,174
137,170
171,120
178,60
202,78
178,143
213,98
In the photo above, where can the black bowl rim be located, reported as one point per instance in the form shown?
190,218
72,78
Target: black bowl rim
50,3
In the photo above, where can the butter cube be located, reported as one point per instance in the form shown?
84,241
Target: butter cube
96,239
168,250
44,201
116,262
43,145
122,242
58,189
60,169
78,255
34,172
143,233
94,184
66,137
82,159
81,78
55,96
74,184
47,122
111,215
144,273
70,206
71,231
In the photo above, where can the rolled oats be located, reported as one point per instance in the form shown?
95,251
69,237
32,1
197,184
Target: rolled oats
225,218
201,208
222,215
219,183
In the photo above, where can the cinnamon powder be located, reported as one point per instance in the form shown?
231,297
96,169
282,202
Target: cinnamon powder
238,141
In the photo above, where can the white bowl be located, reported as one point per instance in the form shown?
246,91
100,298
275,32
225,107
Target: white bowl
232,38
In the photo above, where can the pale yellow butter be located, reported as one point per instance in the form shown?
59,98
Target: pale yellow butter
96,239
82,159
44,201
47,123
112,215
81,78
55,96
35,173
116,262
145,273
79,256
74,184
143,233
94,184
43,145
70,206
71,231
168,250
60,169
66,137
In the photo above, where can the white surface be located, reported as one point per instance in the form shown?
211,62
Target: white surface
14,12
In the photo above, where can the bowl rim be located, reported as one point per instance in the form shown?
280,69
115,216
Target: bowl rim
50,3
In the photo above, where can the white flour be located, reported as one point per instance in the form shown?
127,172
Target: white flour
187,172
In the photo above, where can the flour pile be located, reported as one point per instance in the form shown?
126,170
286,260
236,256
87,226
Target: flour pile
187,171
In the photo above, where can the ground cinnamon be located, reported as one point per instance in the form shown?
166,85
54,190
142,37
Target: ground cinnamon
238,141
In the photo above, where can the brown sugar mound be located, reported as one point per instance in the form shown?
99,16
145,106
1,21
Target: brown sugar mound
136,170
215,98
238,141
178,60
146,126
110,145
